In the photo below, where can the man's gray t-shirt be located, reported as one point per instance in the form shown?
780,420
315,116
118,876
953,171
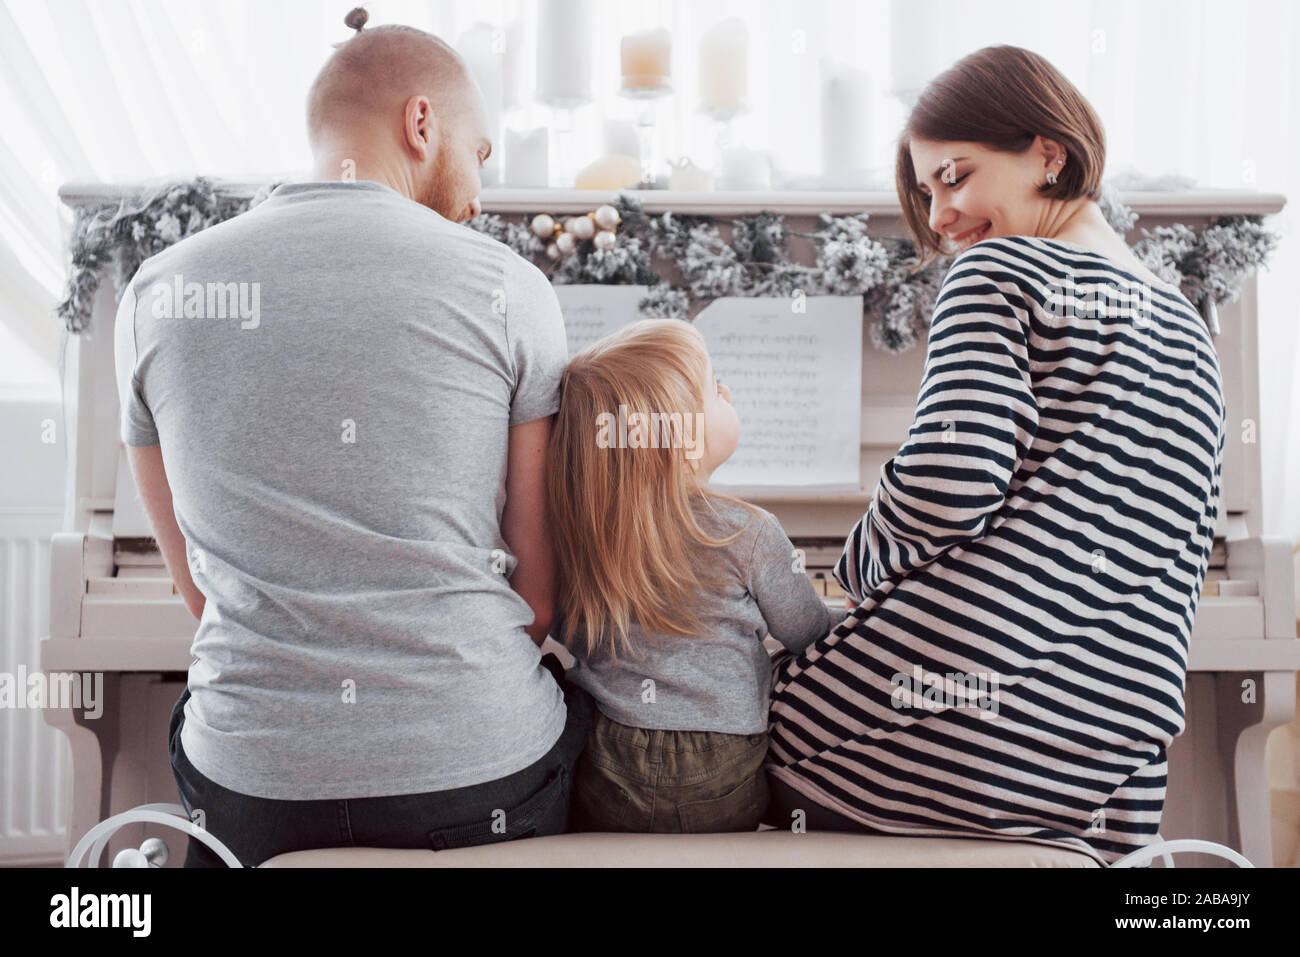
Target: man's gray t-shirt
336,449
720,680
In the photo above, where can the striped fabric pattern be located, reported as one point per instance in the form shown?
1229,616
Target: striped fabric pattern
1028,570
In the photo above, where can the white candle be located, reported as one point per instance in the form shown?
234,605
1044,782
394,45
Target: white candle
645,60
480,45
609,173
724,67
526,158
848,101
564,46
512,47
915,43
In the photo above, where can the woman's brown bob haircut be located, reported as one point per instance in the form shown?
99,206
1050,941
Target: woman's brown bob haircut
1001,97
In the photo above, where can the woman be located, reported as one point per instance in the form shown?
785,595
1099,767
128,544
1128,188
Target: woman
1028,571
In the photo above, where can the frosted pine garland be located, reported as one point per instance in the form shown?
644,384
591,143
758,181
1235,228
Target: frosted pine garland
132,231
898,297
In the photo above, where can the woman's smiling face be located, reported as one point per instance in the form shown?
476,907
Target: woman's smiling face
976,192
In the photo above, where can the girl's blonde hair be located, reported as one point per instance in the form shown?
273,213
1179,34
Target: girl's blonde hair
622,518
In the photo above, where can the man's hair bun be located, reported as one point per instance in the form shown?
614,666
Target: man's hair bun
356,18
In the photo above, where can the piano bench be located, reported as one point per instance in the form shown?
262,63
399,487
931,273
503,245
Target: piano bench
751,849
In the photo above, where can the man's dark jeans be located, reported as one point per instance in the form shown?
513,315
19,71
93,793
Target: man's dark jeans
535,802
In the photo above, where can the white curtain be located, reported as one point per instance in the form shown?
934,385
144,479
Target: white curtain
137,89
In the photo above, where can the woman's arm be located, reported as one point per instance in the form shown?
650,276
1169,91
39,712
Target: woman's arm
976,418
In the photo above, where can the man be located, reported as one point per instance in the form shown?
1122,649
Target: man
353,493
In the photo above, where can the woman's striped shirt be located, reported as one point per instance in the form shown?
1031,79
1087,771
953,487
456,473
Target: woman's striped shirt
1028,570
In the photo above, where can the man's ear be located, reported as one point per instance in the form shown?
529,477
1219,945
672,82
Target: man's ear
420,126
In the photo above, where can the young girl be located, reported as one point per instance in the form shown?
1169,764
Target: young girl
667,589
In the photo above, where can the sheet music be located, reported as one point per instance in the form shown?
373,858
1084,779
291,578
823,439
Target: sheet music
796,384
795,379
593,312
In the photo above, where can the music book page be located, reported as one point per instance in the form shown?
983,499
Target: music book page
593,312
796,384
795,380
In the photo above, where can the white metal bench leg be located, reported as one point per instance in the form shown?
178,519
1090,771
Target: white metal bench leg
1164,850
166,814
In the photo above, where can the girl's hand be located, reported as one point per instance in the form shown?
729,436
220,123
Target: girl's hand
850,604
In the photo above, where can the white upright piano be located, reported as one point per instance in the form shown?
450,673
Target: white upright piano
114,609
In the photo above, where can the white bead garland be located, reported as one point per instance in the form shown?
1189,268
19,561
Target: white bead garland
543,226
580,226
606,217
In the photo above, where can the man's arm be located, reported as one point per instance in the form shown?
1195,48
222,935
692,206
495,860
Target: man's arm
156,494
523,522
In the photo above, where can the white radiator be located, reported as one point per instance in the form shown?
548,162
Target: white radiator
35,765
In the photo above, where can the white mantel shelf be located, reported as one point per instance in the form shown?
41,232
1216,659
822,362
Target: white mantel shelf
1195,202
807,202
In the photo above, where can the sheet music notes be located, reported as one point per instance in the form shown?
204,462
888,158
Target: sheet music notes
593,312
795,380
796,383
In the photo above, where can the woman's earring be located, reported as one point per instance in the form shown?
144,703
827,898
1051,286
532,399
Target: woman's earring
1051,177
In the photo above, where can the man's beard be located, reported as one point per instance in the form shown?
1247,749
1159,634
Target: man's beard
437,191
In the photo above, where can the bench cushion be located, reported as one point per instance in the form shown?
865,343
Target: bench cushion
757,849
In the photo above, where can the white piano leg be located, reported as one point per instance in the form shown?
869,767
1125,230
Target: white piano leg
1244,727
87,783
120,760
